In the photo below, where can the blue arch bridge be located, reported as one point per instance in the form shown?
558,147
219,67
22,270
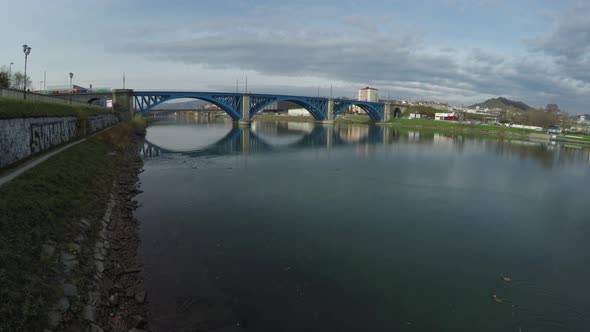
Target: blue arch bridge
241,107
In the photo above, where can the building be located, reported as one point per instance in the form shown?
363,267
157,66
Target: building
447,116
369,94
366,94
298,112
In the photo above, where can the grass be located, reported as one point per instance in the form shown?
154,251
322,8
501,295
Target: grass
353,118
446,125
577,137
14,108
46,204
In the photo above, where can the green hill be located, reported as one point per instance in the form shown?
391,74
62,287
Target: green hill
503,103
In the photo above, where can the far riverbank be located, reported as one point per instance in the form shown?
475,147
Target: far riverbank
491,131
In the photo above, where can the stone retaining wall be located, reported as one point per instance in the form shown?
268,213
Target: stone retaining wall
21,138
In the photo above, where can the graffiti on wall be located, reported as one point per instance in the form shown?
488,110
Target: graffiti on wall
99,122
47,134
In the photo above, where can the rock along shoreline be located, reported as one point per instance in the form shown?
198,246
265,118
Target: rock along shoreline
117,299
122,302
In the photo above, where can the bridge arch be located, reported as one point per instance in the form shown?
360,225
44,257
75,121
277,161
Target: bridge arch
94,100
374,110
397,112
315,106
231,111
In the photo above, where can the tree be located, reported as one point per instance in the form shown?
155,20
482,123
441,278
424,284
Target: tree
18,80
4,77
4,80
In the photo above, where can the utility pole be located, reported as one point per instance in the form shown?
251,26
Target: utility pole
123,80
45,80
330,91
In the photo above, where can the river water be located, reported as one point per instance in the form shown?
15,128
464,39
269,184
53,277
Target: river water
295,227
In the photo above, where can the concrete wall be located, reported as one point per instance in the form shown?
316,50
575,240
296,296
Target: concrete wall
18,94
21,138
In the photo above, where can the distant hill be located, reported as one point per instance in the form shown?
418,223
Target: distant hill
503,103
185,105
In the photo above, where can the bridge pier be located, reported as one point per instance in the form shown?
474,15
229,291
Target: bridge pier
123,103
329,114
245,121
388,112
329,136
246,140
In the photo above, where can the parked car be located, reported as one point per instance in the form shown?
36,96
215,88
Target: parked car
554,130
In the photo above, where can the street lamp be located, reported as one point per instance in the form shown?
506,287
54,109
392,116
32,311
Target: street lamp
71,86
26,51
10,74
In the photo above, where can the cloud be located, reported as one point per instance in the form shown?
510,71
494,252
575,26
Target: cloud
568,43
404,63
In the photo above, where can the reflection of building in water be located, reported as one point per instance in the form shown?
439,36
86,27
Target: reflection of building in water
526,150
306,127
353,134
442,139
365,150
265,127
413,136
456,142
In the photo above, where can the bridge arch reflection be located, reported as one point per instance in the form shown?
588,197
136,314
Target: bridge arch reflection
244,140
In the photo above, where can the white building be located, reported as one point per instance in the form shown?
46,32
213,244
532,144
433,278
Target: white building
298,112
447,116
369,94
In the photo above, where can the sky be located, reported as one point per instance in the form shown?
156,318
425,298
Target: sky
456,51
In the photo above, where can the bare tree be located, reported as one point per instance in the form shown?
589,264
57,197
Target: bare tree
4,80
18,81
4,77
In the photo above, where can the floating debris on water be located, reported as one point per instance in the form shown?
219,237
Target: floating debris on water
497,299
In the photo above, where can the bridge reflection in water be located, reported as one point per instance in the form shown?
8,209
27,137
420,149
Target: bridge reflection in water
268,137
272,137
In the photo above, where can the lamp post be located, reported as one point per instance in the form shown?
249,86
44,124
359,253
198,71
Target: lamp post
26,51
71,86
10,74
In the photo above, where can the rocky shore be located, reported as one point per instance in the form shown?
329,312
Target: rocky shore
121,306
113,296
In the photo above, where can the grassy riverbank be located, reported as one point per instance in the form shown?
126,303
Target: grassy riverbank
44,206
458,126
14,108
408,123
